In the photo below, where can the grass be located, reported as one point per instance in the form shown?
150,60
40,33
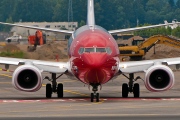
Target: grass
14,54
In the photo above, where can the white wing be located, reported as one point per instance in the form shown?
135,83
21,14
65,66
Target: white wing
39,28
139,28
142,66
44,66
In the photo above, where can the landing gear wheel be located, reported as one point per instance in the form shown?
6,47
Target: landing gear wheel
136,90
48,91
125,90
92,97
97,97
60,90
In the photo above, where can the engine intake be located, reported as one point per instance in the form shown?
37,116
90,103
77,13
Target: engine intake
27,78
159,78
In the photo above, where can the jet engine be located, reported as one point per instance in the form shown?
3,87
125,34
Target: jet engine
159,78
27,78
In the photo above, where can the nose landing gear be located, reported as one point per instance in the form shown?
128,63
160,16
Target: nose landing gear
95,94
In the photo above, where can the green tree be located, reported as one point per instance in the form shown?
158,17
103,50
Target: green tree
110,14
82,23
176,32
34,11
60,11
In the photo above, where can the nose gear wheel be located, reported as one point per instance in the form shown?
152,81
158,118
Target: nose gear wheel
95,94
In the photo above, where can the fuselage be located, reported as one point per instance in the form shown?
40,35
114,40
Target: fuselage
94,55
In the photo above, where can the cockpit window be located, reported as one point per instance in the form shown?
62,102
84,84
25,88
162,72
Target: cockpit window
100,49
109,51
81,50
95,50
89,50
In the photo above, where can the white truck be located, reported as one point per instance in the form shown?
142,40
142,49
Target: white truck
14,38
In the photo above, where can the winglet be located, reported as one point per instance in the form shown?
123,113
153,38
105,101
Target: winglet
90,13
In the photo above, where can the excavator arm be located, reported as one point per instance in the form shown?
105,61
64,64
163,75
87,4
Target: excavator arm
137,52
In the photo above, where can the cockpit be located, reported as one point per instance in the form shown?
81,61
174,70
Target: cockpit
95,50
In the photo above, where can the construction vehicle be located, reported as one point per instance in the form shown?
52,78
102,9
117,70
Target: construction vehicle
34,40
140,47
14,38
2,44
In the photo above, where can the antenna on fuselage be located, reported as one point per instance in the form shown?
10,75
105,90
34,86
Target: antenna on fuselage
90,14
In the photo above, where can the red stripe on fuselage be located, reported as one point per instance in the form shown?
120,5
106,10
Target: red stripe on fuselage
94,68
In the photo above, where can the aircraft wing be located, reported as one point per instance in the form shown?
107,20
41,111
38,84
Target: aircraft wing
44,66
139,28
142,66
39,28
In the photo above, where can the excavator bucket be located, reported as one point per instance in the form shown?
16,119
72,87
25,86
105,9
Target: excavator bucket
31,48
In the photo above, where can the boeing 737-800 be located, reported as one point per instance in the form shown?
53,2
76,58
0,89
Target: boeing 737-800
94,60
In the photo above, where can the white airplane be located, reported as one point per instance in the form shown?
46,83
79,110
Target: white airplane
94,60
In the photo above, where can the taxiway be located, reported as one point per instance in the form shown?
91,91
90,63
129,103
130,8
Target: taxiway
76,102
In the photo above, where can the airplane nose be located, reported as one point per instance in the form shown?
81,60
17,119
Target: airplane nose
94,59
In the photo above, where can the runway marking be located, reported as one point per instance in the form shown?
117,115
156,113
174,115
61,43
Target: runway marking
45,100
84,99
1,69
144,99
76,93
6,75
5,83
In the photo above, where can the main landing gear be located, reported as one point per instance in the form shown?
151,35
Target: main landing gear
95,94
54,87
131,87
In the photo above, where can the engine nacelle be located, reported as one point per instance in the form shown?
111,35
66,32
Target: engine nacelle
159,78
27,78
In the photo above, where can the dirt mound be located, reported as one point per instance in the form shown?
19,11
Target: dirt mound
129,41
50,51
10,47
163,51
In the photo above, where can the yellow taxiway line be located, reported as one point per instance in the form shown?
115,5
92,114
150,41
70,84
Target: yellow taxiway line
68,91
6,75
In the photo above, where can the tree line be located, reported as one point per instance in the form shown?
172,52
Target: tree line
110,14
161,31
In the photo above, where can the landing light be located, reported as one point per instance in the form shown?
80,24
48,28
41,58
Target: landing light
124,66
61,66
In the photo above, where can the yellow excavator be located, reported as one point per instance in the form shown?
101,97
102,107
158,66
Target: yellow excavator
140,47
2,44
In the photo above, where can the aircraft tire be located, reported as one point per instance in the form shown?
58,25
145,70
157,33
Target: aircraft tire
125,90
9,40
136,90
48,91
92,97
60,90
97,97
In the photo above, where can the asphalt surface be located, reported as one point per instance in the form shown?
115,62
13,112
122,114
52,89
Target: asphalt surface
76,103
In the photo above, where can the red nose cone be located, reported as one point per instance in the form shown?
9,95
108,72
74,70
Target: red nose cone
94,59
